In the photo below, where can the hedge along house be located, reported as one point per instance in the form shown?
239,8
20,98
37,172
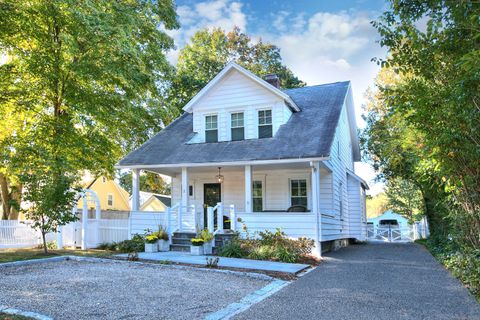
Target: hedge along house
269,158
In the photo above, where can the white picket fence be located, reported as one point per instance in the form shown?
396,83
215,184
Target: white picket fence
19,234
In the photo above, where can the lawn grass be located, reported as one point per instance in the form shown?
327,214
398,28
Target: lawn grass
6,316
10,255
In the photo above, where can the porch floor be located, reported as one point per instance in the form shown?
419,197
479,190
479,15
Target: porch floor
185,257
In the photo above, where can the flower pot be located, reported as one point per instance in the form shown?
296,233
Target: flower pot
163,245
196,250
208,247
151,247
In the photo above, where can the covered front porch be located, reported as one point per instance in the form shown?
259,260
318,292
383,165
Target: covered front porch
250,197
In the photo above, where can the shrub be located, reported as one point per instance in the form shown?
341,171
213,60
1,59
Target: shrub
162,234
233,249
206,235
268,246
197,242
137,244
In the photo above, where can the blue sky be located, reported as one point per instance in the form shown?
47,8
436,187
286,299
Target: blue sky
320,41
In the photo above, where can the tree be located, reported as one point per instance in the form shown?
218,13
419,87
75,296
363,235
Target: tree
149,182
210,50
82,86
404,198
376,205
437,101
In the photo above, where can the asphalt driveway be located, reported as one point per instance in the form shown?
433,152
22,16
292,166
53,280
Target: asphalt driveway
373,281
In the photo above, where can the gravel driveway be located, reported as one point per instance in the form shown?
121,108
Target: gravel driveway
373,281
119,290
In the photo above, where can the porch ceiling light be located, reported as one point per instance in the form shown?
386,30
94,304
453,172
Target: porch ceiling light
219,176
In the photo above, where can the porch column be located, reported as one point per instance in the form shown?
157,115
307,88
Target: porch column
184,201
248,189
315,170
135,189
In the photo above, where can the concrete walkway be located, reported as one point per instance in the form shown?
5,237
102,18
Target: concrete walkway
184,257
373,281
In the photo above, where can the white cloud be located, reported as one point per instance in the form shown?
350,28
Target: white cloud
225,14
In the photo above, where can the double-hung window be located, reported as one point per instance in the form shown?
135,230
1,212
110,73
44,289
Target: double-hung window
264,124
298,192
110,200
238,127
257,196
211,128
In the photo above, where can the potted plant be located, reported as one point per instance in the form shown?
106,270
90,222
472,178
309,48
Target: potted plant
163,243
207,241
197,246
151,243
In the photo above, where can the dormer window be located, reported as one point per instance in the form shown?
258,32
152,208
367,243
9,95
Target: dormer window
264,124
237,125
211,128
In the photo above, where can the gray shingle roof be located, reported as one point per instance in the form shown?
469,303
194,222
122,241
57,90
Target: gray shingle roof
307,134
165,200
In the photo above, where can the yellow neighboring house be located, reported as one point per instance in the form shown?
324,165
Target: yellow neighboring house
111,195
154,202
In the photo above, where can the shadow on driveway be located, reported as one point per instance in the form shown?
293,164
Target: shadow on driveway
372,281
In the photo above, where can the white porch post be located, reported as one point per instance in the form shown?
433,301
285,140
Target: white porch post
233,218
315,169
135,189
184,201
248,189
84,221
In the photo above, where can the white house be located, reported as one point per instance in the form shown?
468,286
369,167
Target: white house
389,218
273,158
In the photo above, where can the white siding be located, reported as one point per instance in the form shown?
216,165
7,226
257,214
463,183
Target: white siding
237,93
355,208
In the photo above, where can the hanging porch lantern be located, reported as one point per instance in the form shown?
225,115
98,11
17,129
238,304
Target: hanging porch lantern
219,176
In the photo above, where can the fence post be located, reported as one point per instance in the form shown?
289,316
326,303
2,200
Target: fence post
233,218
84,222
60,238
210,219
220,217
179,218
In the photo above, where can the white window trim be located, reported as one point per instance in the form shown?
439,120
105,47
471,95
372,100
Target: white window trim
229,134
108,195
205,115
263,179
309,190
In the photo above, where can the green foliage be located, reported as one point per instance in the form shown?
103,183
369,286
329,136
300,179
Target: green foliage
81,86
424,119
162,234
233,249
136,244
404,198
205,235
210,50
376,205
149,182
268,246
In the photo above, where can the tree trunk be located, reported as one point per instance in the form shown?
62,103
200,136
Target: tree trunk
4,196
45,249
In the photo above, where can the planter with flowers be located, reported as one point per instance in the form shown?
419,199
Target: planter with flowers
196,248
207,241
163,243
151,243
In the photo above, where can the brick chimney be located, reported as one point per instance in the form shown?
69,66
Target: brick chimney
272,79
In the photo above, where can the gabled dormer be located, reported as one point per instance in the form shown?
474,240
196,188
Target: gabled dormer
238,105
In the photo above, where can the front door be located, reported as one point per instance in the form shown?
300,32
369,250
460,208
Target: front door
212,194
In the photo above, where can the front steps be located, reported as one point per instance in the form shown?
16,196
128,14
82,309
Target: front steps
181,241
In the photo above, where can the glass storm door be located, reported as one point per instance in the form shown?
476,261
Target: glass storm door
212,194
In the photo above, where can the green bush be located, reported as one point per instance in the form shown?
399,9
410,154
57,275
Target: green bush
268,246
136,244
233,249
